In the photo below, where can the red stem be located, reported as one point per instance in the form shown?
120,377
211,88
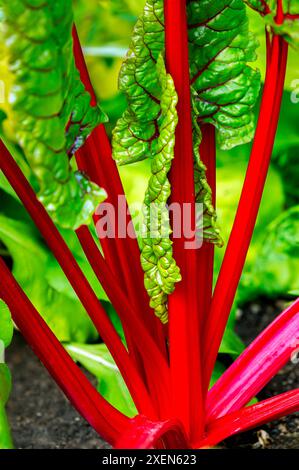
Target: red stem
76,278
96,159
279,13
184,325
205,255
105,419
251,417
260,361
145,434
247,211
155,365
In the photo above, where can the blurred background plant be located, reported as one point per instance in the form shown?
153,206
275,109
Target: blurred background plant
272,267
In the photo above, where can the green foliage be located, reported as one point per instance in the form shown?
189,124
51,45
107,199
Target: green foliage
275,269
147,129
289,28
6,331
228,47
98,361
203,193
135,135
287,164
33,269
6,326
161,270
257,5
226,87
50,108
229,183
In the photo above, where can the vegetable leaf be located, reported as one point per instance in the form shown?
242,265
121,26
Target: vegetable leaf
138,135
278,262
161,270
98,361
51,110
226,87
6,325
262,6
64,314
135,135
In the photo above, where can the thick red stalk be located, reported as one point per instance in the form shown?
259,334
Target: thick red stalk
145,434
105,419
260,361
247,211
279,14
155,365
76,278
205,255
184,328
96,159
251,417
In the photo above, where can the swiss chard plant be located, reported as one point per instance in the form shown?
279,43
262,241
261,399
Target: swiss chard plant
189,83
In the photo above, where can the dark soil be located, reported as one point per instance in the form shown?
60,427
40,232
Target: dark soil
42,418
282,434
40,415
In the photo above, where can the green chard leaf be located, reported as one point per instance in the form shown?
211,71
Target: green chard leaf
139,134
99,362
161,270
226,87
135,135
50,109
56,301
262,6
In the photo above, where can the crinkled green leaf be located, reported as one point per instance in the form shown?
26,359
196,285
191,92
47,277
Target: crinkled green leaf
135,135
64,314
261,6
51,111
99,362
161,270
225,90
220,49
138,135
203,193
